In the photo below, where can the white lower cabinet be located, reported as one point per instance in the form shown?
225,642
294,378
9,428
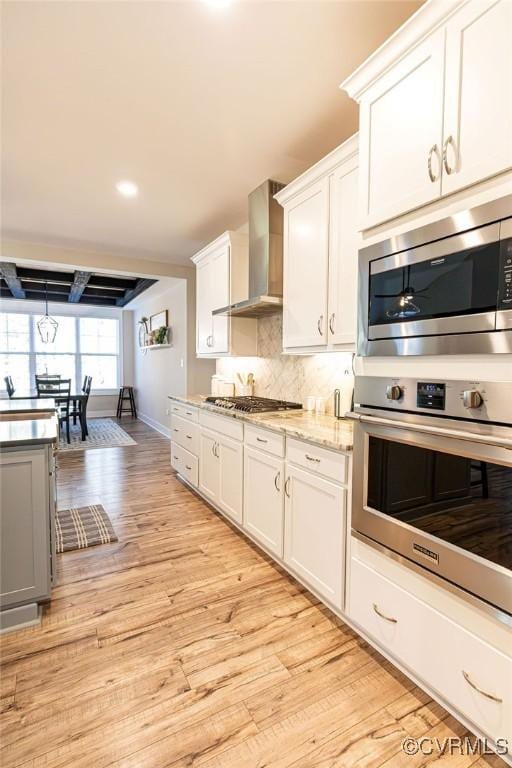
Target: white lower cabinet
209,466
221,472
467,672
231,477
314,532
263,498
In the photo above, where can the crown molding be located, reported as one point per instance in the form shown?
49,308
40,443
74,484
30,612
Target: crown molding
346,151
426,20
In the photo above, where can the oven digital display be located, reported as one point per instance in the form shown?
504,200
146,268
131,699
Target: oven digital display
431,395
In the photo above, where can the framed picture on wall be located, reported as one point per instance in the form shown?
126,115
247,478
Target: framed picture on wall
158,320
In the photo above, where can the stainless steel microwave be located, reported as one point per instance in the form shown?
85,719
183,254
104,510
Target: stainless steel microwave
442,289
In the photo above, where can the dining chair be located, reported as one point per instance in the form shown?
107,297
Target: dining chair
9,386
60,391
79,409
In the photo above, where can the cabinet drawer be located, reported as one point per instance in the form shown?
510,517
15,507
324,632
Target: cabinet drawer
186,433
185,411
185,463
225,425
448,657
265,439
328,463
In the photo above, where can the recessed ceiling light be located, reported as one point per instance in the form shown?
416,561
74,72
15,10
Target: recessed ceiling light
218,3
127,188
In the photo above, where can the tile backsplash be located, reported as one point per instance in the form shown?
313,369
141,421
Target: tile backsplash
289,377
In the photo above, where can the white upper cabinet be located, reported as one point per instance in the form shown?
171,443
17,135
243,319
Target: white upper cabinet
222,277
320,254
478,105
306,254
401,134
435,107
343,248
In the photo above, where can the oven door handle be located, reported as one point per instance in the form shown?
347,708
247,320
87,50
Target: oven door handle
471,437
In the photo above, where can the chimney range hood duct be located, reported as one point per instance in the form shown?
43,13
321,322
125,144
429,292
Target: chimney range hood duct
265,256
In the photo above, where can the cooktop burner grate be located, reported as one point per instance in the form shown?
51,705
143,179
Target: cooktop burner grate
252,404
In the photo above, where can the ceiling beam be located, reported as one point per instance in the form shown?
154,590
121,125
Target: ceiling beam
80,280
141,285
45,275
60,298
10,276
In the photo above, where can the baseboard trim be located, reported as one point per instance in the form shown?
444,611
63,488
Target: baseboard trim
165,431
100,414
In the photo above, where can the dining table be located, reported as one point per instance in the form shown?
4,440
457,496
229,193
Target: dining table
75,397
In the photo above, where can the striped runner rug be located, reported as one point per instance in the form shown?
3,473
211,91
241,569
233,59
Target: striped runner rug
83,527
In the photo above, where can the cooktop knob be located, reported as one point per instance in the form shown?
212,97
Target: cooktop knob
393,392
472,398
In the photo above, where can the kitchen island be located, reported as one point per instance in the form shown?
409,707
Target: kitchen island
28,441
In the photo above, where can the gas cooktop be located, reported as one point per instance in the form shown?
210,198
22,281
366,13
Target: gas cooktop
251,404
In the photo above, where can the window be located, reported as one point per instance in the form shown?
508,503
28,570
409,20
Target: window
83,346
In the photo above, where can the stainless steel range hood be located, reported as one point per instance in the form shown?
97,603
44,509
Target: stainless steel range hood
265,256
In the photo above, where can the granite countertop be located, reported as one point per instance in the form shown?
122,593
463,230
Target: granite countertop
33,405
319,429
29,432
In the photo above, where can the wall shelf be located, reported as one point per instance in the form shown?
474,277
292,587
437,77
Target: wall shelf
154,346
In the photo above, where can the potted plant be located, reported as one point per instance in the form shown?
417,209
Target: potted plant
161,335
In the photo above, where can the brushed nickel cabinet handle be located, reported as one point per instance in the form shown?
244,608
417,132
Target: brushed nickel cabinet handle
432,176
320,325
449,170
261,440
277,478
176,458
189,413
187,467
175,430
331,323
383,616
216,450
312,458
213,449
286,487
490,696
189,437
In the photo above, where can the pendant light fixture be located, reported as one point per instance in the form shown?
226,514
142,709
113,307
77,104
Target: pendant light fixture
47,326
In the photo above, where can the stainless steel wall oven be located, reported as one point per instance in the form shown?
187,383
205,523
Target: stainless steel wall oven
444,288
435,488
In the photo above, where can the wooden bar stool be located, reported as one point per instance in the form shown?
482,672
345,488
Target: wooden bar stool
126,394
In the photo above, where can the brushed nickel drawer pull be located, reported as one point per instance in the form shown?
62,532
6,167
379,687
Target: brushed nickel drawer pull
276,480
187,467
189,437
286,487
176,458
312,458
261,440
449,170
175,430
432,176
383,616
479,690
189,413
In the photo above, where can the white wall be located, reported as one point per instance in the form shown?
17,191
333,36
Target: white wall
159,373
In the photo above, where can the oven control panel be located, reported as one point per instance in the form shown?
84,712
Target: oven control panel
472,400
505,294
431,395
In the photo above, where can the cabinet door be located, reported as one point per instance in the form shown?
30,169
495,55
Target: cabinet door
209,464
263,498
231,458
25,527
314,541
306,239
203,307
478,101
220,297
401,127
343,249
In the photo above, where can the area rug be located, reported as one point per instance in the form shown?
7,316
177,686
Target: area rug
83,527
103,433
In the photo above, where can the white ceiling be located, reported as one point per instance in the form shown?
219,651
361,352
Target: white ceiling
196,105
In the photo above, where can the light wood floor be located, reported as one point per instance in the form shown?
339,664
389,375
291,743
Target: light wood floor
183,645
